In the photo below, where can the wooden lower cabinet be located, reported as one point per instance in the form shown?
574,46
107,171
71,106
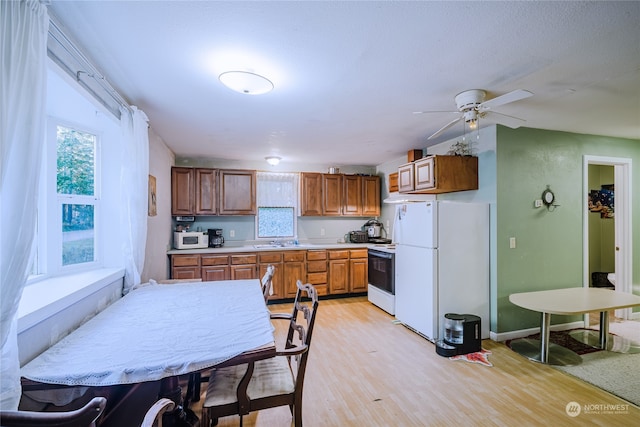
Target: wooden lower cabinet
358,270
338,272
294,269
215,267
244,266
317,271
265,259
331,271
185,267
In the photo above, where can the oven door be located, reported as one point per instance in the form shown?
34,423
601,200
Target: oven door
381,270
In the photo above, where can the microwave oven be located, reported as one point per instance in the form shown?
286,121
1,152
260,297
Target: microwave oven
190,240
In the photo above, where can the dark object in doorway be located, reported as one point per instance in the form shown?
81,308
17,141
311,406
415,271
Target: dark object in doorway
600,280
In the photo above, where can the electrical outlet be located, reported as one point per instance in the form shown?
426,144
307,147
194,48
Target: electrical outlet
322,231
512,242
537,203
232,233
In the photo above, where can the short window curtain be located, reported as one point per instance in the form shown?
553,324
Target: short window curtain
277,190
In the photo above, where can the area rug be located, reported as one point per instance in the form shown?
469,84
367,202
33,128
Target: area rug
562,338
481,357
617,373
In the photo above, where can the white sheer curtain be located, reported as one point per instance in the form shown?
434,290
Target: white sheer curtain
277,189
23,34
134,179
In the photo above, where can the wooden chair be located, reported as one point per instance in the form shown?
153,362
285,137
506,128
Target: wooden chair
266,282
193,387
153,417
83,417
278,381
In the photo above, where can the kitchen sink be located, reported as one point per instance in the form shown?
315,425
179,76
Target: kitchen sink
281,245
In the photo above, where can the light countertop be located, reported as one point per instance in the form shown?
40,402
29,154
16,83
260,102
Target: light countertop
261,247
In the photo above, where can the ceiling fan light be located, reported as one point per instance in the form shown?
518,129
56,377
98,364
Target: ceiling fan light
273,160
473,124
246,82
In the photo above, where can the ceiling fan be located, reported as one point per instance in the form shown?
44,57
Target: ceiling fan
472,106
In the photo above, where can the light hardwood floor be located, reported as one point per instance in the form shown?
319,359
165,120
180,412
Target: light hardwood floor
365,370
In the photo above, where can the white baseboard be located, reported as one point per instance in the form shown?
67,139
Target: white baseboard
504,336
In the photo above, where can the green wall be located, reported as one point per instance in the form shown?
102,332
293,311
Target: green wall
549,246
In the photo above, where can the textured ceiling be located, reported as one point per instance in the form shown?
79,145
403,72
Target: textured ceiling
349,75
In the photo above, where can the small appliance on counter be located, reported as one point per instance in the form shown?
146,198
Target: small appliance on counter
374,229
215,238
189,240
461,335
356,237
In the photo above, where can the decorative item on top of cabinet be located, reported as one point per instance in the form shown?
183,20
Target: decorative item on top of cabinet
439,174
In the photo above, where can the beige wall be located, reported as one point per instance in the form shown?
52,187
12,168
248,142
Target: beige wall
161,158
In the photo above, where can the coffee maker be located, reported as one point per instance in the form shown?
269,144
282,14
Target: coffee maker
461,335
215,238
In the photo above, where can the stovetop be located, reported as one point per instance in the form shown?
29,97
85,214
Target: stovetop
379,240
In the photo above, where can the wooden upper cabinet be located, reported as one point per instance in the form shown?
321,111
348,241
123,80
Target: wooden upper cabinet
352,195
424,174
405,178
370,196
182,191
337,194
331,194
205,192
311,194
439,174
237,192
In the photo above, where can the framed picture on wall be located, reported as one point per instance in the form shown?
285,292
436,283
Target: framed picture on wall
602,201
153,211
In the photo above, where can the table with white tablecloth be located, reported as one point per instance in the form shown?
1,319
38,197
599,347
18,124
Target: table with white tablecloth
159,332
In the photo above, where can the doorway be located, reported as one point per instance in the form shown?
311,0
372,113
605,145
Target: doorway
607,225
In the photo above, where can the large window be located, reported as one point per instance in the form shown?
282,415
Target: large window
76,193
277,203
68,207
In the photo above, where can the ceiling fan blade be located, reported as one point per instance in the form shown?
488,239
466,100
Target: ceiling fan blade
503,119
445,127
512,96
427,112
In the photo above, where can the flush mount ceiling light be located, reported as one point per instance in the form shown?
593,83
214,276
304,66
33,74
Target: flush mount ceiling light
246,82
272,160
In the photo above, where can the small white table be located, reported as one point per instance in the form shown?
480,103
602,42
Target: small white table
567,302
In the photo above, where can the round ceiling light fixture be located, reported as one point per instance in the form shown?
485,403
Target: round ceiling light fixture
246,82
273,160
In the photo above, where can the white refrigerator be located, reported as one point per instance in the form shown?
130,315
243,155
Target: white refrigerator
442,264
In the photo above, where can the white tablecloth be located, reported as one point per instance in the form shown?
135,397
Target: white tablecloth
159,331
